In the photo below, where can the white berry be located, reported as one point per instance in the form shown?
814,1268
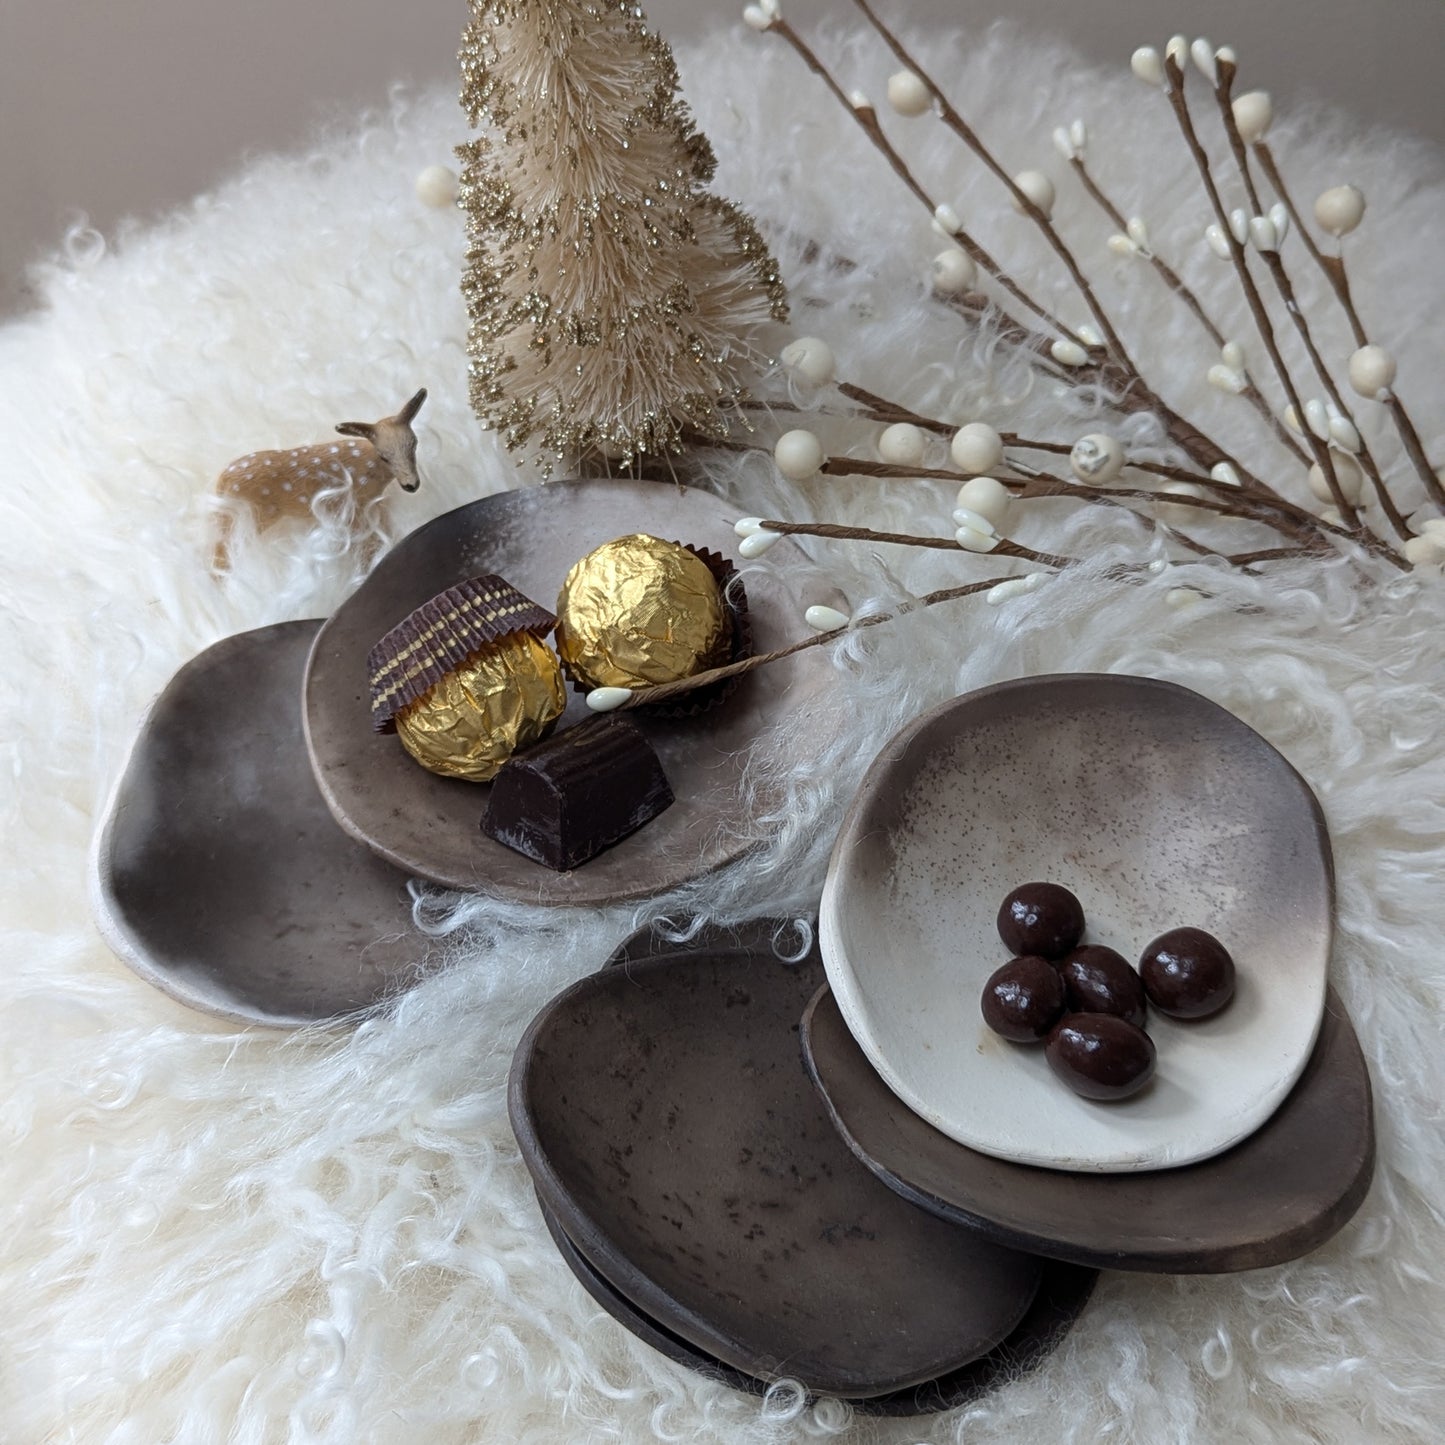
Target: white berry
1145,63
758,543
1347,474
1340,209
1253,113
1372,369
825,619
967,517
953,272
605,699
987,497
972,540
1009,587
946,220
976,447
1068,353
902,445
1173,512
436,186
1038,188
1424,551
810,359
1097,457
799,455
907,93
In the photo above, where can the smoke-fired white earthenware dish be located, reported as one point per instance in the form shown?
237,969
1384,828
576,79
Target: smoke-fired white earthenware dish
1158,809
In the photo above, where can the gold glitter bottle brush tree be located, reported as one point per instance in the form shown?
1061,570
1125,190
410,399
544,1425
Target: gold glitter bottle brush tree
1347,477
611,299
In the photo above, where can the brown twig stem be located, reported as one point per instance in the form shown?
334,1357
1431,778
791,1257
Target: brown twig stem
1258,496
961,128
834,532
1181,289
1336,275
867,119
1119,373
1180,105
1274,264
646,696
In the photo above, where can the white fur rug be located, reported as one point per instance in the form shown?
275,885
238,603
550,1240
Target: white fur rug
213,1234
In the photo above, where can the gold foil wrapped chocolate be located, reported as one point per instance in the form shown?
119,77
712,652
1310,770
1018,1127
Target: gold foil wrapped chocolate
639,610
465,680
504,699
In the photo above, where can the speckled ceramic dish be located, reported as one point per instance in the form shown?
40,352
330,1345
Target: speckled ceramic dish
1062,1295
1158,809
429,825
665,1116
219,875
1275,1196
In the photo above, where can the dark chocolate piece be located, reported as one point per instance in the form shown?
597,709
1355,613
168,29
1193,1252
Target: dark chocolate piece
1041,918
1188,973
1101,1056
1023,999
575,795
1100,981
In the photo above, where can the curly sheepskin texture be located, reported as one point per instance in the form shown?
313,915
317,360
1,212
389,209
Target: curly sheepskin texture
214,1233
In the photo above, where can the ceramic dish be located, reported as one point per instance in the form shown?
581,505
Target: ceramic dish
429,825
1062,1295
219,875
1158,809
1281,1193
664,1114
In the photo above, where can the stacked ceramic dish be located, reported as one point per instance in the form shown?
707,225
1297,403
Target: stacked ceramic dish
692,1180
932,1213
255,857
1254,1142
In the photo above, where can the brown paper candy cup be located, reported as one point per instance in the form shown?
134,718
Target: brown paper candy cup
442,635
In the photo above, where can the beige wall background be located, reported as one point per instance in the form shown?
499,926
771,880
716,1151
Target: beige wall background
114,108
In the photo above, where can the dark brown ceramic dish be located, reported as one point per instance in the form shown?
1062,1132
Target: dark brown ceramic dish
1279,1194
664,1113
429,825
1062,1295
219,875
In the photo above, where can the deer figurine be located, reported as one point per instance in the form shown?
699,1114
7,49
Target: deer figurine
282,485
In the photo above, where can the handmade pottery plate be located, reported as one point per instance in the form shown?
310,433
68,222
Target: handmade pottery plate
663,1111
1275,1196
219,875
1158,809
1064,1292
429,825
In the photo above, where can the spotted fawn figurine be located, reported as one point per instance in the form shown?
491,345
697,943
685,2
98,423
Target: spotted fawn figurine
281,486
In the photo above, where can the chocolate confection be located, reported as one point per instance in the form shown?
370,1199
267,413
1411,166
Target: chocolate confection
577,794
441,636
1023,1000
1101,1056
640,610
465,681
1041,918
1100,981
1187,973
